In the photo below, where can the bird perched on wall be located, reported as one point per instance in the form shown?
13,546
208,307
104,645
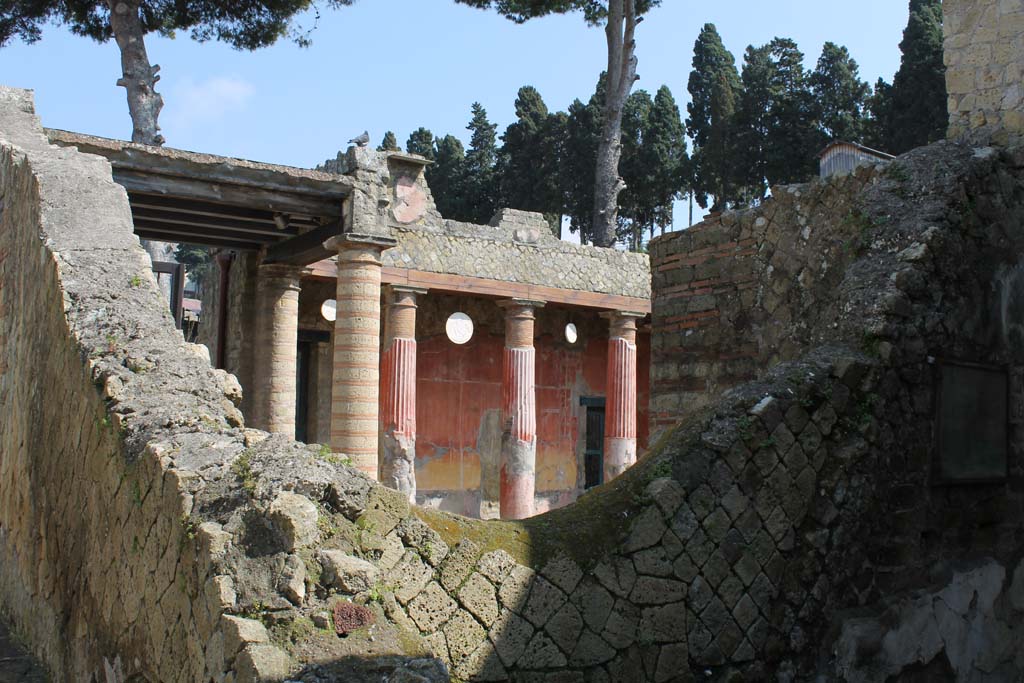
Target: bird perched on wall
361,140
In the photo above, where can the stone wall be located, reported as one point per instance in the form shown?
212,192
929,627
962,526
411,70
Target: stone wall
99,570
790,529
984,55
738,293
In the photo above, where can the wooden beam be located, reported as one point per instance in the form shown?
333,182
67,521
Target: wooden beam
477,286
213,210
204,190
304,249
246,228
198,236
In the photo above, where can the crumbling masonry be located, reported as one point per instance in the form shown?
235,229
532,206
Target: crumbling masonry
798,519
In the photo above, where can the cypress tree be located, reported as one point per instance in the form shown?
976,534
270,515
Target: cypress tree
447,178
421,142
753,122
840,95
582,136
793,140
879,119
635,210
918,110
481,188
714,85
664,153
389,143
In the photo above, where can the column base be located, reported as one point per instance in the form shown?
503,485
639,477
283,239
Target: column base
398,463
518,477
619,455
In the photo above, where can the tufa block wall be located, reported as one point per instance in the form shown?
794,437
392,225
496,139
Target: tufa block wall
984,56
784,529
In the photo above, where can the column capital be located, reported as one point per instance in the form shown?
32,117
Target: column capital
406,289
521,303
622,315
622,324
351,240
282,270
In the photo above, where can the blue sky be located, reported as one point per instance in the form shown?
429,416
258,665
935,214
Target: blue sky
400,64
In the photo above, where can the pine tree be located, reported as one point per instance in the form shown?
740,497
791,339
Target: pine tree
243,25
481,188
714,86
918,110
389,143
421,142
620,19
840,95
447,178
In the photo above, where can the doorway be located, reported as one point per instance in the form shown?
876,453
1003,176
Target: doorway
593,450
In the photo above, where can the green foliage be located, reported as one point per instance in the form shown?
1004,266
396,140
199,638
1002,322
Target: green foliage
447,177
197,261
714,87
520,11
421,142
654,164
327,455
480,188
135,281
243,25
840,95
912,111
389,143
242,468
530,157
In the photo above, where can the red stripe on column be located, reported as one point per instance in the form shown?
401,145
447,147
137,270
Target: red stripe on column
620,404
519,392
398,387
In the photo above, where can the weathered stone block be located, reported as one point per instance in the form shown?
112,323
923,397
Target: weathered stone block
477,595
346,573
431,608
510,634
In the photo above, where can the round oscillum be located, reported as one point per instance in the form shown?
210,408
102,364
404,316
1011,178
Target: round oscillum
459,328
571,333
329,310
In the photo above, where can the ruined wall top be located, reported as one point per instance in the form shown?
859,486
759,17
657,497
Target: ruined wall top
984,55
515,246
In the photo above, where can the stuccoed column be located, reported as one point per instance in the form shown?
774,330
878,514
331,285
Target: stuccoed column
355,386
398,391
620,400
277,291
519,410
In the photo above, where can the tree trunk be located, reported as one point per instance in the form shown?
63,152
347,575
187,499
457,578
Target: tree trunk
619,33
139,76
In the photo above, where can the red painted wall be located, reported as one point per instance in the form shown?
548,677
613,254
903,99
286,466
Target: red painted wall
457,385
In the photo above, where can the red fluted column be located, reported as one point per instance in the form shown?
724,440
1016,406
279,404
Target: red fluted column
620,401
398,391
519,411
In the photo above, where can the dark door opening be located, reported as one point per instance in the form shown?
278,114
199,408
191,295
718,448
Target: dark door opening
593,452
